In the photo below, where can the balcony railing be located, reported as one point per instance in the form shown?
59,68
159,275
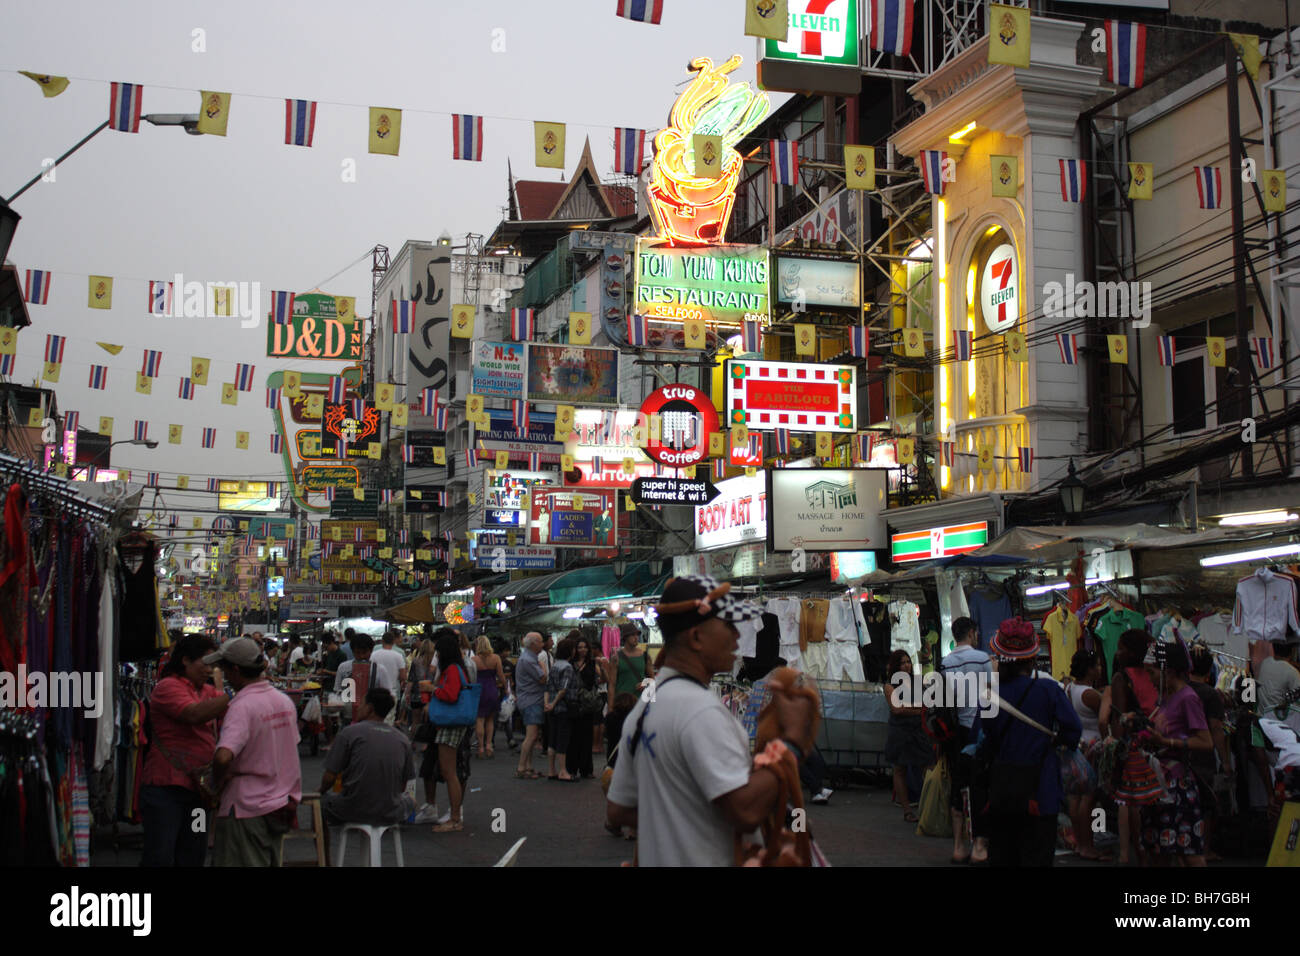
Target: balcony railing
1007,434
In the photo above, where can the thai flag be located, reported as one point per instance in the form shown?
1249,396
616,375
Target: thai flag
1209,186
429,399
1263,349
403,315
1067,342
785,162
783,441
160,297
99,377
859,341
299,122
214,484
1074,179
357,408
277,444
243,377
54,346
608,427
403,537
756,446
70,421
272,398
719,468
522,324
186,390
947,455
36,287
863,445
152,363
1126,52
961,344
282,307
313,532
638,330
751,336
521,416
408,454
1026,460
643,11
891,26
151,479
173,521
534,461
440,418
1165,349
466,137
141,431
338,389
597,465
629,150
124,107
329,493
359,535
931,163
209,438
6,364
471,458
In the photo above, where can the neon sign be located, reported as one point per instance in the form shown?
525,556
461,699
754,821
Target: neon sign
688,210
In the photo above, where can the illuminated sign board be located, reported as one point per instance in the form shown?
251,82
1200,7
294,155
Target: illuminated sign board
608,437
821,31
498,369
686,420
516,559
346,432
573,519
320,477
689,210
717,284
849,566
572,374
505,489
999,289
826,509
737,515
230,498
503,518
821,282
938,542
796,395
316,332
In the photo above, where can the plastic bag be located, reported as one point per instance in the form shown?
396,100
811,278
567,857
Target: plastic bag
311,710
933,818
507,708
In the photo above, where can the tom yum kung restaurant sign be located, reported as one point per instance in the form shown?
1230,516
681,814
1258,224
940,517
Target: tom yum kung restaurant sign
723,284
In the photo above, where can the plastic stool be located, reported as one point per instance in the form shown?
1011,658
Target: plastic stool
375,834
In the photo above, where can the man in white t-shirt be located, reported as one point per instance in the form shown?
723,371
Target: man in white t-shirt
390,669
296,653
1277,679
683,778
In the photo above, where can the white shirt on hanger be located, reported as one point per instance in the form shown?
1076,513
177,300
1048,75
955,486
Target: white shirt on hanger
1265,607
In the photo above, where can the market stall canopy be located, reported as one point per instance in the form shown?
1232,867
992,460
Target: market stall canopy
418,610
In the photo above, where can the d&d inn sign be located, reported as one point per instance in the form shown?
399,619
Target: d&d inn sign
315,332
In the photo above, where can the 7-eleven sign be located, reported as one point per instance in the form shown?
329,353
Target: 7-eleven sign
942,542
821,31
999,289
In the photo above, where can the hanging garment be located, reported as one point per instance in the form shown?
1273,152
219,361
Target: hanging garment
104,731
1062,629
1216,631
905,634
843,621
610,639
787,611
812,623
1110,626
952,605
988,609
16,577
816,660
139,618
1266,607
875,656
748,631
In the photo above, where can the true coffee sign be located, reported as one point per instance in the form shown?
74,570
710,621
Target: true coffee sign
686,420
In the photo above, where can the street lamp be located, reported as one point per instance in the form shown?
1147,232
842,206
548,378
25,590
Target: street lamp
445,238
146,442
1072,493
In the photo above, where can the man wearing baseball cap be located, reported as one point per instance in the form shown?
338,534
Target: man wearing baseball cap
683,777
256,764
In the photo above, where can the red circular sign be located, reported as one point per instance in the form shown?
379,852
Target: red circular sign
686,420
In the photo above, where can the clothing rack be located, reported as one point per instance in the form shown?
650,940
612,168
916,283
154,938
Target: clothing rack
26,473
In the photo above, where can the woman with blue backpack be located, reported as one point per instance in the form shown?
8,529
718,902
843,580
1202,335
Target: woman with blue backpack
452,710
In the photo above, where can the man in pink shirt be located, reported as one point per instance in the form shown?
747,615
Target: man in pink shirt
256,763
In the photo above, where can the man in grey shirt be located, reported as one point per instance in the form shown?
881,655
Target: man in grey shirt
530,690
964,665
375,763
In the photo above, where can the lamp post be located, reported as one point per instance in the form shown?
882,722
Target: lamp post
1072,493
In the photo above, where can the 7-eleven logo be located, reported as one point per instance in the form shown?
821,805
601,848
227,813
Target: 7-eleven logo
998,290
819,29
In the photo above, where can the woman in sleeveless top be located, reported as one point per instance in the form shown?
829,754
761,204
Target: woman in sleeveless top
1079,777
630,666
493,681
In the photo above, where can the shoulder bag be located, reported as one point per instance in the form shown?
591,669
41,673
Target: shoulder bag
463,711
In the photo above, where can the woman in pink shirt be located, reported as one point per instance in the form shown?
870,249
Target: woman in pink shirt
183,710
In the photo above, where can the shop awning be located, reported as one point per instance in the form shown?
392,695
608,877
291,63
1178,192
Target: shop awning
418,610
596,583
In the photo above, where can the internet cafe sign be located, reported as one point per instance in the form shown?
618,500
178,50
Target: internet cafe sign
316,331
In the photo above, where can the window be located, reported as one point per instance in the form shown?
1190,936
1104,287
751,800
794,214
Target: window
1202,395
1188,383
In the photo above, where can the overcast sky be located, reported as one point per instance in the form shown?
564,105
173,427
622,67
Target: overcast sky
249,208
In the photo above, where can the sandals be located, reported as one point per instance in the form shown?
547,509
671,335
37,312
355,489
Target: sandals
451,826
527,775
909,817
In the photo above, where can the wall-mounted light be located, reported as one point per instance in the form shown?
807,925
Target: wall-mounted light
957,136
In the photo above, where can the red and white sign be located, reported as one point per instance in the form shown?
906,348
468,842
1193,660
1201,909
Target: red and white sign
796,395
999,290
687,418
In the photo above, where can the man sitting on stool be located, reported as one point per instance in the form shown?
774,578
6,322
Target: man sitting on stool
375,762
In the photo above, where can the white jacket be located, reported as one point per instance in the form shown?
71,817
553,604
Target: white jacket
1265,608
